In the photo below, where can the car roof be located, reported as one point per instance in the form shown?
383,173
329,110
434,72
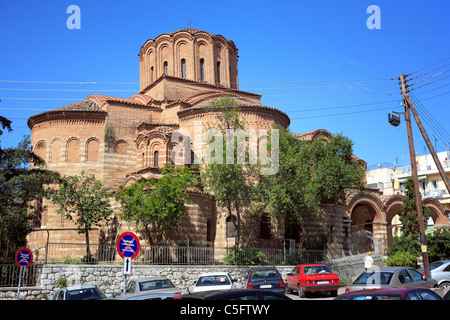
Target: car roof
390,290
263,268
149,279
214,274
311,265
219,293
79,287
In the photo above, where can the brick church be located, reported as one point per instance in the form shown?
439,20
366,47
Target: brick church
121,140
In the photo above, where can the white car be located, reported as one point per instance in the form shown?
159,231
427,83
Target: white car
214,281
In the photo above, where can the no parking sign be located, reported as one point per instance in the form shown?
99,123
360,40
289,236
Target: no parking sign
128,247
24,257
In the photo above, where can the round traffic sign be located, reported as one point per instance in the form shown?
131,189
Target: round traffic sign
128,245
24,257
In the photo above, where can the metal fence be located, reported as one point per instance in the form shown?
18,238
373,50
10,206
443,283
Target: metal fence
9,275
75,253
107,253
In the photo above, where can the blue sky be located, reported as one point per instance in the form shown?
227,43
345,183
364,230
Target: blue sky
295,53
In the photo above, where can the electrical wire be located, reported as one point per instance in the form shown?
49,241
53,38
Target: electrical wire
430,65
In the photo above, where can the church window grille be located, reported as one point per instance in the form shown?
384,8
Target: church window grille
156,159
202,69
183,68
166,68
218,72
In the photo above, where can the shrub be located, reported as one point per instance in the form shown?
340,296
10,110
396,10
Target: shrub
402,258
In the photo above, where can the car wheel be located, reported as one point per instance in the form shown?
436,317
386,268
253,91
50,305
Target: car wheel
288,290
301,293
334,293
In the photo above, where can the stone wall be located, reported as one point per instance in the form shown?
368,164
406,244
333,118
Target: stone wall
109,278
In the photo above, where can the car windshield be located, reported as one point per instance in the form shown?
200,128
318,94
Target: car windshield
373,297
85,294
264,274
316,269
374,278
155,284
213,280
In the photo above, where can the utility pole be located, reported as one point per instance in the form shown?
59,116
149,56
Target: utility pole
412,153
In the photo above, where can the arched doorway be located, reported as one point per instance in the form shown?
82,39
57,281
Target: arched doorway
367,223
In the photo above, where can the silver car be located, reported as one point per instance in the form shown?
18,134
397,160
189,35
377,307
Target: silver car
392,277
80,292
440,271
145,286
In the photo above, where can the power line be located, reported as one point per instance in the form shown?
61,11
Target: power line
430,65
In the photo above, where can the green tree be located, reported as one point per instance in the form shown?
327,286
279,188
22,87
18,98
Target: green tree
292,193
230,183
438,244
19,186
83,199
155,205
311,173
336,172
409,241
408,217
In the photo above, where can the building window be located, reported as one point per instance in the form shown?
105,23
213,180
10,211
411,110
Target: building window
231,229
155,159
265,227
202,69
208,231
166,68
218,72
183,68
38,209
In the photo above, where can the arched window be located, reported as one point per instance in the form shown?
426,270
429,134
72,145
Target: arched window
183,68
218,72
202,69
265,227
151,76
166,68
231,229
155,159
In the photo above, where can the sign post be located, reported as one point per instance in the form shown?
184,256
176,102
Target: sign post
24,257
128,247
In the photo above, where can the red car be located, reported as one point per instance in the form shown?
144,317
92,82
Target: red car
312,278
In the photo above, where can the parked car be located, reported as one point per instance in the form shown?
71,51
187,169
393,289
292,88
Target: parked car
447,295
266,278
147,296
81,292
152,285
391,294
312,278
392,277
214,281
440,271
235,294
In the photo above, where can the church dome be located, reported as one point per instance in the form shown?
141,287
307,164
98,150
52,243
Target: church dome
189,54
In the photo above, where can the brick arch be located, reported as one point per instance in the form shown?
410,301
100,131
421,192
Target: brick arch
40,149
393,206
438,212
371,202
55,150
92,149
73,148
